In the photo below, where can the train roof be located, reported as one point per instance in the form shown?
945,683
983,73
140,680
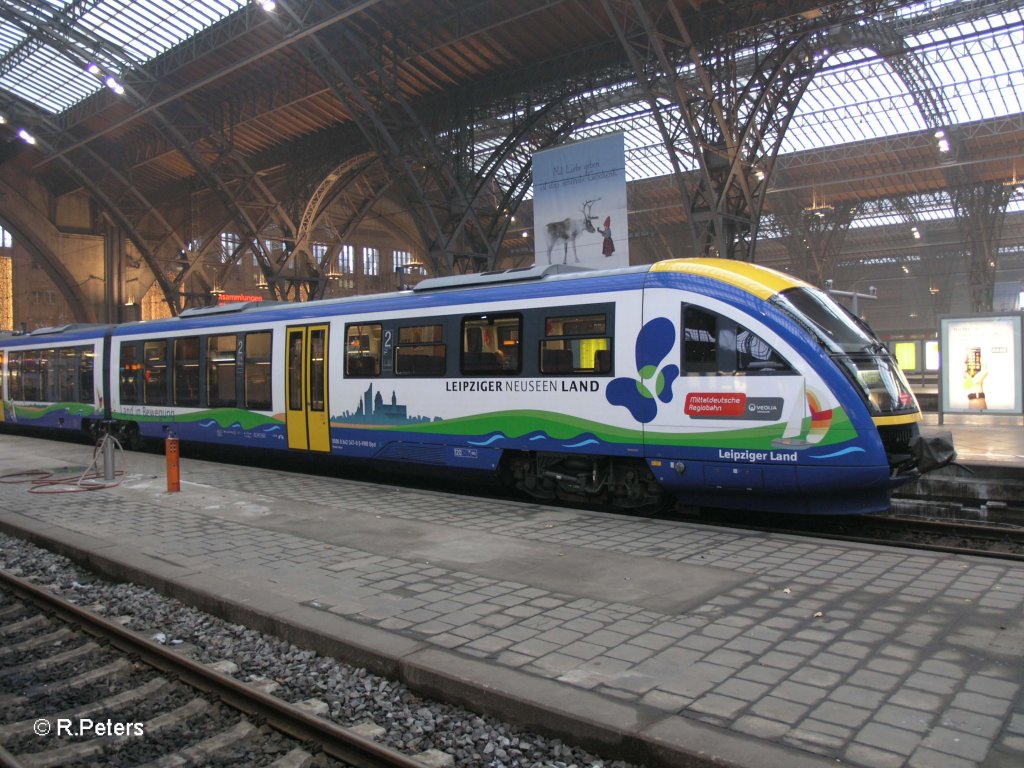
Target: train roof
58,333
759,281
444,291
519,274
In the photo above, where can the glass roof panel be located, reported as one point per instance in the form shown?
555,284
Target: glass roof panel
975,64
975,67
117,34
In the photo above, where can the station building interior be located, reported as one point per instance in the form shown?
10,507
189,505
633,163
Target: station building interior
156,156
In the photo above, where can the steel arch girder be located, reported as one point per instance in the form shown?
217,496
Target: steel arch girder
385,130
53,267
814,241
728,195
333,185
558,119
77,49
232,201
131,230
980,213
142,88
114,208
373,126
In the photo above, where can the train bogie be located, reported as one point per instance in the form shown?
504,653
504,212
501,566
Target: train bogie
718,383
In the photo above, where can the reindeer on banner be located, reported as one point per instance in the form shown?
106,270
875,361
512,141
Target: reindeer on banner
567,230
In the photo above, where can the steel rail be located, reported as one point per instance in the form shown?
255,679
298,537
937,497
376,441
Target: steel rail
335,741
829,530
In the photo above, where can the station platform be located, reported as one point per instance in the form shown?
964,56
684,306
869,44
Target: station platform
981,440
665,643
987,480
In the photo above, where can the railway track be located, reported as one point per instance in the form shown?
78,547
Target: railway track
962,537
956,536
78,689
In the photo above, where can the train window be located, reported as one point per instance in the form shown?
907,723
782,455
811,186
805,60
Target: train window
295,343
362,350
713,343
48,375
490,344
67,374
832,324
421,351
317,361
754,354
257,370
220,371
30,380
131,367
589,325
154,373
576,344
86,375
14,388
186,371
700,341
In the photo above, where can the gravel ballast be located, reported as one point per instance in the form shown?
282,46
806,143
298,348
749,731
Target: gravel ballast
353,696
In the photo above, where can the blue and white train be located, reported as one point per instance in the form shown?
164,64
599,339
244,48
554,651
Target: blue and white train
720,383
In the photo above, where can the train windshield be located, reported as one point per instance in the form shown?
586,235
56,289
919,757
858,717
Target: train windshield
855,347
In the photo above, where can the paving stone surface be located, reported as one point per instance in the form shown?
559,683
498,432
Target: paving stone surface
869,655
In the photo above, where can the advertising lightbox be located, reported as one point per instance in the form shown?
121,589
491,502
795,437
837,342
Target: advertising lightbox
981,368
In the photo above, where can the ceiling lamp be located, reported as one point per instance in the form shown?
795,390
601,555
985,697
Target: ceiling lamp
113,85
1012,183
27,137
820,209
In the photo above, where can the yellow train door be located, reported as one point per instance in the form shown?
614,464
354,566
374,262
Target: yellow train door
307,415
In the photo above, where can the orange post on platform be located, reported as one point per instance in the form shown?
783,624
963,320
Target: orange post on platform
173,470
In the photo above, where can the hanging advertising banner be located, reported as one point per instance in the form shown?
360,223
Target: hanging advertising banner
579,204
981,364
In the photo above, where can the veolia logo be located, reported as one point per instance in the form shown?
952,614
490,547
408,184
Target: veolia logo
640,396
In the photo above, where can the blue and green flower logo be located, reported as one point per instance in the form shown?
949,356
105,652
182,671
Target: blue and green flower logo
640,396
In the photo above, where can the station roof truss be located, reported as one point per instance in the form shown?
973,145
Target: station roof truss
867,113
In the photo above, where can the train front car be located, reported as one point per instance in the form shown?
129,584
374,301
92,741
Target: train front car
758,391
